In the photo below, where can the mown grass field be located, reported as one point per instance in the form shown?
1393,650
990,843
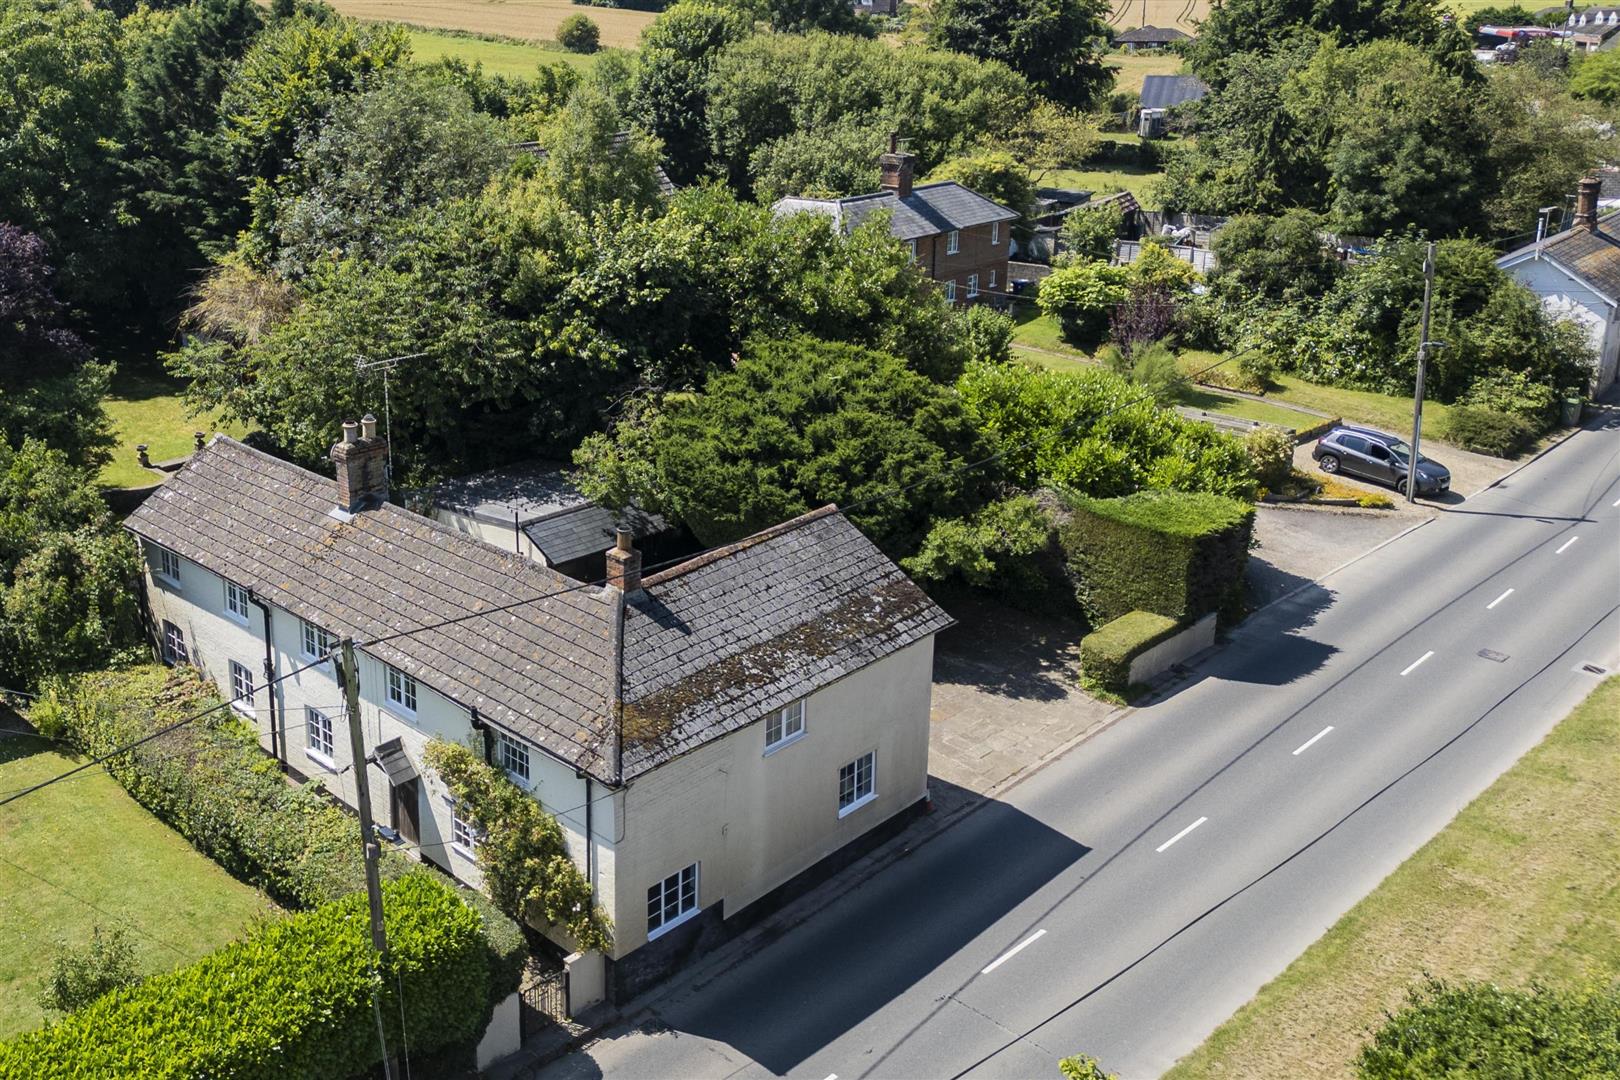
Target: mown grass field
146,407
1522,886
83,854
514,58
1132,68
533,20
1385,411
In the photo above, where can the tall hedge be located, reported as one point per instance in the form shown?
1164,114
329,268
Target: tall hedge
1174,553
293,1000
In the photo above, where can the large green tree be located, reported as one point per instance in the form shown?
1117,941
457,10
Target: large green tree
799,423
61,70
1057,45
1238,27
1280,258
671,94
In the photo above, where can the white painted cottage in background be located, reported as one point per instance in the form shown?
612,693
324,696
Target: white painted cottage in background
1576,274
704,735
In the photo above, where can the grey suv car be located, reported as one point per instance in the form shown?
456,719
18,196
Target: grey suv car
1375,455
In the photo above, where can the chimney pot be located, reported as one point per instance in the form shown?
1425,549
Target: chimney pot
897,167
362,467
1586,203
351,433
199,439
368,426
624,563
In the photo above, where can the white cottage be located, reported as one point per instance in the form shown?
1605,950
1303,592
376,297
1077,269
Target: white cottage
1576,274
705,735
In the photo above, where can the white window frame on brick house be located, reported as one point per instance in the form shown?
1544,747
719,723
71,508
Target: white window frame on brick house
857,783
174,645
972,286
513,756
950,291
995,233
241,688
464,831
953,241
400,690
784,726
672,901
236,602
315,643
166,566
912,244
319,738
992,285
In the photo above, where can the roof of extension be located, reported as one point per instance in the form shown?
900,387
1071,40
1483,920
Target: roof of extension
929,210
553,513
1152,35
1167,91
1590,256
708,646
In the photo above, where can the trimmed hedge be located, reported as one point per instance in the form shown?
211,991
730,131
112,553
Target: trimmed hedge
210,782
293,1000
1174,553
1487,431
1106,653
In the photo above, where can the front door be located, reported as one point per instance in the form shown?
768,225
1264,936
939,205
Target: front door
406,810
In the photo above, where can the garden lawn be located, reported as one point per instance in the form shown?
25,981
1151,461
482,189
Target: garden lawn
82,854
515,58
531,20
1132,68
1522,886
1135,179
1383,411
147,408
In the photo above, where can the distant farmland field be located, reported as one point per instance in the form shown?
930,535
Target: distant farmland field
535,20
1178,13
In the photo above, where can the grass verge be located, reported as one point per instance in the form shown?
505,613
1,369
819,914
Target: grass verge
1385,411
1523,885
82,854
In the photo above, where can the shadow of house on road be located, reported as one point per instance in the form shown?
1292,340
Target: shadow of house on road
785,1002
1008,652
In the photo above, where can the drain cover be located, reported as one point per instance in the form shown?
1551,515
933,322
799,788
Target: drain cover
1492,654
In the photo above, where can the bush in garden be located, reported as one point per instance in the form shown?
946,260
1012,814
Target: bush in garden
1156,268
1514,393
1487,431
984,333
1082,1067
1151,367
1147,315
81,975
1081,297
1173,553
1271,456
1090,233
294,1000
996,548
1106,653
578,34
1476,1029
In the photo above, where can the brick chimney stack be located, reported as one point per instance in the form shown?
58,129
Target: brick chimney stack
624,563
1586,203
897,166
362,466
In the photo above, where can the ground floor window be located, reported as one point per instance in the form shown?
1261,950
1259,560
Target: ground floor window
318,735
672,900
174,644
463,831
857,783
950,292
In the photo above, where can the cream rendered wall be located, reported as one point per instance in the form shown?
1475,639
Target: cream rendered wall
214,637
496,535
1566,298
752,820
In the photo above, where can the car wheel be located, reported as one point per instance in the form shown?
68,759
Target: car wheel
1329,463
1400,487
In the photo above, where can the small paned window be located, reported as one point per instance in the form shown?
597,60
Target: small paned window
973,286
857,783
401,690
514,758
167,565
317,642
672,900
318,734
236,601
950,292
241,687
995,232
174,644
784,725
953,242
463,832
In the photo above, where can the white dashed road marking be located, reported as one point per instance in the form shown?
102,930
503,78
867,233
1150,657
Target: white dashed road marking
1312,739
1568,542
1182,833
1014,951
1413,665
1498,600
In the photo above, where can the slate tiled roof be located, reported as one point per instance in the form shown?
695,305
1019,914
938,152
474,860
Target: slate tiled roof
929,210
709,657
708,646
586,530
1590,256
1166,91
1152,35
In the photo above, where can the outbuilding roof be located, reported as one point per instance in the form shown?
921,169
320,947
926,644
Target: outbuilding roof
1167,91
929,210
1152,35
705,648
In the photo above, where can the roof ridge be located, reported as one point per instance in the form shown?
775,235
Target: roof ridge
726,551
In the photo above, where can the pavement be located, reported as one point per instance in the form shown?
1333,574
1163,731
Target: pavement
1125,899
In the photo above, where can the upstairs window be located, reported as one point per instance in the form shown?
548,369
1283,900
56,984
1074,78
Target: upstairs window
236,601
514,757
912,244
317,642
953,242
401,690
992,285
995,232
784,725
166,565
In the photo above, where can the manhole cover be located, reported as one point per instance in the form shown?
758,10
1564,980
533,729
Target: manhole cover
1492,654
1593,669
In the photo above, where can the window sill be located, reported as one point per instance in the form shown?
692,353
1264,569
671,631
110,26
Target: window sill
321,759
396,712
857,804
245,710
517,778
464,851
239,620
683,917
167,582
782,744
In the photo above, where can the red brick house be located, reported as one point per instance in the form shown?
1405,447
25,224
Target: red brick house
960,238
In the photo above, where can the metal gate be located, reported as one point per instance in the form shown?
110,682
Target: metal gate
542,998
